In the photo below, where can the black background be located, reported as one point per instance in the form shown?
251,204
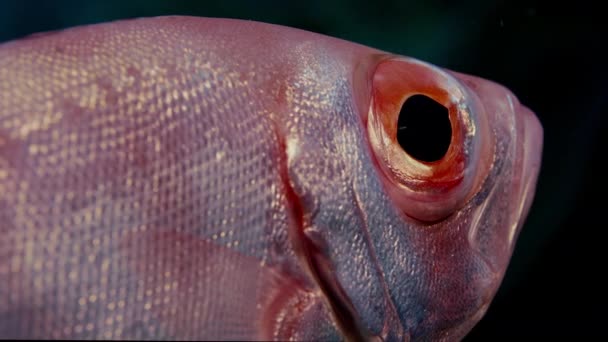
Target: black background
551,56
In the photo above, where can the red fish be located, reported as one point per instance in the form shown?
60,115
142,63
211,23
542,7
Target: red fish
190,178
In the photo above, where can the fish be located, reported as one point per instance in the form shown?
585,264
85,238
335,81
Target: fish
218,179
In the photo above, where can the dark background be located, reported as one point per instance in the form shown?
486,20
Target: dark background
551,56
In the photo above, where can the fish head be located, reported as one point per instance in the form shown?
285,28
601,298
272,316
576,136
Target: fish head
472,201
488,169
412,240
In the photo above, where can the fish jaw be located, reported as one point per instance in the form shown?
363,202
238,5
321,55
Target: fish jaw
518,140
496,214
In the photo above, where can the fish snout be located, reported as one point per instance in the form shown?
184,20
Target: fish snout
516,137
531,158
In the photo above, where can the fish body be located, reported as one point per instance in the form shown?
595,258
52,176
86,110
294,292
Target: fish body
192,178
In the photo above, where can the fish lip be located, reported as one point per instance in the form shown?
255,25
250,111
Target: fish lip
496,252
527,138
533,144
530,158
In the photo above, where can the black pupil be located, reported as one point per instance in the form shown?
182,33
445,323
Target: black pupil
424,129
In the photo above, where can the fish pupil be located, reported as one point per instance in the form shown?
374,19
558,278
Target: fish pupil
423,129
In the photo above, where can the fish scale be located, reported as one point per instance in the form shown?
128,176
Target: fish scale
197,178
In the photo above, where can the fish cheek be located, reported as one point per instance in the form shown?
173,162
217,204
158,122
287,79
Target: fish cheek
336,248
458,282
325,152
438,283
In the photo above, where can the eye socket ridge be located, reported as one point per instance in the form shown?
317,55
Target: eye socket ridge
433,188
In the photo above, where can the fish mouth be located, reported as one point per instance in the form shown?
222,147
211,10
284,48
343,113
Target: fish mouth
531,160
501,213
497,221
520,135
529,142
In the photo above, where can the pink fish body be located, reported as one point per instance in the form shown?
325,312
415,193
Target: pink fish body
190,178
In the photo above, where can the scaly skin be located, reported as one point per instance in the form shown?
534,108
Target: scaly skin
193,178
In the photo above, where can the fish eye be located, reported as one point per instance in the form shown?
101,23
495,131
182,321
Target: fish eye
430,137
424,130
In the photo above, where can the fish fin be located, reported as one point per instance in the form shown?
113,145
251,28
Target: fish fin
199,289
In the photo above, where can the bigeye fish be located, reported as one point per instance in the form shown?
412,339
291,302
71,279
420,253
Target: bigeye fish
191,178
